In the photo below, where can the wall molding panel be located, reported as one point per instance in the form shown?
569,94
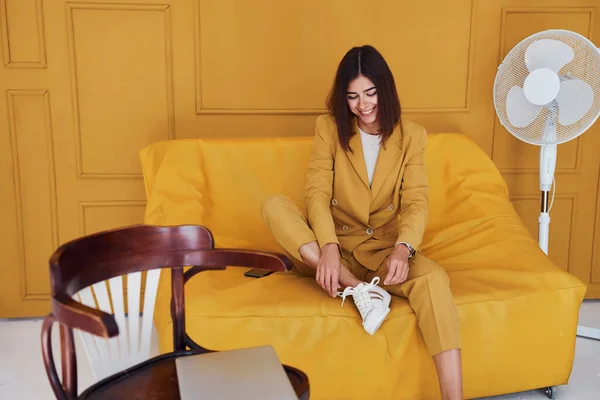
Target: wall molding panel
246,59
141,31
23,37
91,213
36,198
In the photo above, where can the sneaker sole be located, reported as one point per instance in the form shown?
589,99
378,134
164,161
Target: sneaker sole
375,326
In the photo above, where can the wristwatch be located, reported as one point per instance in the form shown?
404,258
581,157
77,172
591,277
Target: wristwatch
411,250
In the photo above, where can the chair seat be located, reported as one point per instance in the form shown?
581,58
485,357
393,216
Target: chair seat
156,378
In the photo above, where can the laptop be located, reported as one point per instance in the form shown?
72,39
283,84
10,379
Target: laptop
250,373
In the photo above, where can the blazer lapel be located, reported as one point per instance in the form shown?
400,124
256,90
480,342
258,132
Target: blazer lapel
385,161
357,158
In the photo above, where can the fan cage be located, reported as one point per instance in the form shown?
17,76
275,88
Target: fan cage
513,71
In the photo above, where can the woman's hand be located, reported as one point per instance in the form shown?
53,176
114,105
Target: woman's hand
397,264
328,269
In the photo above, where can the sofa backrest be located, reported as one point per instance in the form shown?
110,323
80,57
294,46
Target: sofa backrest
221,184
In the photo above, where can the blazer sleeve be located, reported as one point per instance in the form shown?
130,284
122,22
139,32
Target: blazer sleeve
319,186
413,201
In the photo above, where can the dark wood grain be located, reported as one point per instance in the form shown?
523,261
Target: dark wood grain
101,256
69,362
57,388
156,379
95,258
178,309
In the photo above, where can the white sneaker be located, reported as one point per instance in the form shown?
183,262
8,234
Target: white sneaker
372,302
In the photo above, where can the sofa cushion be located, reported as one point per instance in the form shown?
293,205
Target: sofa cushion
518,311
222,183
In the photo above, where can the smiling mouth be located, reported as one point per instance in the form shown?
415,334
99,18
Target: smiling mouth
367,113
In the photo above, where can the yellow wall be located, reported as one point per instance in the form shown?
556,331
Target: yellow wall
87,85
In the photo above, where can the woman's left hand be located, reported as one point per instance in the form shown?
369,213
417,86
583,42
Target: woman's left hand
397,264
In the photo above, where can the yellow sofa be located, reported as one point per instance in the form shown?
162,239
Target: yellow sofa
518,311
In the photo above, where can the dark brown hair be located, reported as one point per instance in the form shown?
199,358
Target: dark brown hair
368,62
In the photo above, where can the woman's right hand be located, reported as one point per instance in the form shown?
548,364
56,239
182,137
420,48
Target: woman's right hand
328,269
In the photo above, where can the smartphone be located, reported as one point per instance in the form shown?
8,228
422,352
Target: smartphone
258,272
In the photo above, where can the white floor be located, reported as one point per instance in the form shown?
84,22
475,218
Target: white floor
22,374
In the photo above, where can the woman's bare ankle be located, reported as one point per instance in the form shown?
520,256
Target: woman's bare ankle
347,279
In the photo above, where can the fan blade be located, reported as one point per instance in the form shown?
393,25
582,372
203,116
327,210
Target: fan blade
519,110
548,53
574,100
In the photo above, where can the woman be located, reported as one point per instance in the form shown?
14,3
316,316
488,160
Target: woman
366,199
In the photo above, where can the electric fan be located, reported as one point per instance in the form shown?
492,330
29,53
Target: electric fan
547,92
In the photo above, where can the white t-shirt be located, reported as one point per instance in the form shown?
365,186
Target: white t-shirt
370,145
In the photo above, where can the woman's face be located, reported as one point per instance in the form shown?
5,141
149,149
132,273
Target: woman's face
362,99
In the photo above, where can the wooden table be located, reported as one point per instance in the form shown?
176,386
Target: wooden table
156,379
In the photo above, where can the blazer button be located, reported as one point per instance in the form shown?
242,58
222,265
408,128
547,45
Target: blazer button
391,207
369,231
334,202
345,228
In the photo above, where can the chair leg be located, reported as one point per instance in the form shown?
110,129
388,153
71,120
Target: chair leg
57,387
69,360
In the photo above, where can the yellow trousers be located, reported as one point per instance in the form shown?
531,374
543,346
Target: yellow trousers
427,287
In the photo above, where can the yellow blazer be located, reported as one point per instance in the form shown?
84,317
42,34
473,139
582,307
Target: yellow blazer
367,221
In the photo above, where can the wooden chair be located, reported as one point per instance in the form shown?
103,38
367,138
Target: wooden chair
98,259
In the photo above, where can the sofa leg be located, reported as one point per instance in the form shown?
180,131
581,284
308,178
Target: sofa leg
550,391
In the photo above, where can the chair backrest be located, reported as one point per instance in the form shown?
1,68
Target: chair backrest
87,268
132,345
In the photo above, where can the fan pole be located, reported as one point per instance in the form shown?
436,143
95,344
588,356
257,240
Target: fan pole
547,167
544,224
